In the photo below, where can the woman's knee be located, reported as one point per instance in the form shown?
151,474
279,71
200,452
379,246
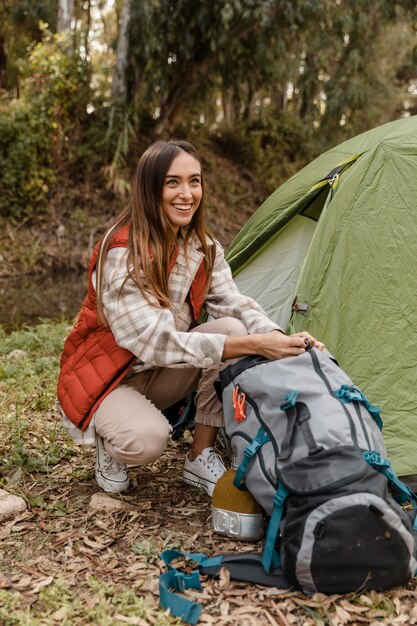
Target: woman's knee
140,447
234,327
224,326
134,431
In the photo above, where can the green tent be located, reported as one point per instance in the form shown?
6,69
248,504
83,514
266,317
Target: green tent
334,251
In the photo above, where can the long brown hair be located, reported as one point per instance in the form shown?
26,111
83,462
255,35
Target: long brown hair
151,235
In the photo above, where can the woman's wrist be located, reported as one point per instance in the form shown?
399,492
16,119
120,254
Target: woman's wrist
236,347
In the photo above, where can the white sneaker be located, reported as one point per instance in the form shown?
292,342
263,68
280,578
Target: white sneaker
204,471
111,475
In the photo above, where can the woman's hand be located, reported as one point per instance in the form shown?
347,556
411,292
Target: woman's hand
273,345
311,342
276,345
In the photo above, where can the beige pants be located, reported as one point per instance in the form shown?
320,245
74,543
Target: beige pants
130,420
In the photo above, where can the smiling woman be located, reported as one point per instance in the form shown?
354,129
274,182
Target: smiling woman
137,348
182,191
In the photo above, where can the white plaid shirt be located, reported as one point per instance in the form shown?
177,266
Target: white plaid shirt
159,337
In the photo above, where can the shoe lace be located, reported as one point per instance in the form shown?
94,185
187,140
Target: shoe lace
215,464
112,465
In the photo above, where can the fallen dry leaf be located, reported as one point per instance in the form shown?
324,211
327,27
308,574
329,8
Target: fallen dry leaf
224,608
41,584
224,581
343,615
80,543
61,614
352,608
270,619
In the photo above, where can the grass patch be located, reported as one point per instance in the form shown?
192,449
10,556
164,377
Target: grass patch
99,603
29,362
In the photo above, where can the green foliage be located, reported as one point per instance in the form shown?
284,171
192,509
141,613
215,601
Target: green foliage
42,340
347,81
100,603
317,60
20,26
36,130
151,549
222,46
270,68
56,78
26,165
273,148
122,123
29,361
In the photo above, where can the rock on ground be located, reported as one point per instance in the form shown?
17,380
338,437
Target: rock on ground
10,505
100,501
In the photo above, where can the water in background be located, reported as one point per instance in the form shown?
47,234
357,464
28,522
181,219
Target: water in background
27,299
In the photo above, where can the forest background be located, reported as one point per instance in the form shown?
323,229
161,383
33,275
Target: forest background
261,87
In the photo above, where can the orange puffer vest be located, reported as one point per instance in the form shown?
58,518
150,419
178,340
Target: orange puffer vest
92,364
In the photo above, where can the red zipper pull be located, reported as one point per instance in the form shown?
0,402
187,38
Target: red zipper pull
239,401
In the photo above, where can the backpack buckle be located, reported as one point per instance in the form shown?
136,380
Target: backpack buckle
290,400
187,581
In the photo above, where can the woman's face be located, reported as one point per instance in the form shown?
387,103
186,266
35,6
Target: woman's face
182,190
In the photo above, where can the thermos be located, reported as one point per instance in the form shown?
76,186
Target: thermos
234,512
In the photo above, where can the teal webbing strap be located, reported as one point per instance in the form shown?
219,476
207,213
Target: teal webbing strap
173,581
384,466
249,452
351,393
178,605
269,555
167,556
289,408
290,400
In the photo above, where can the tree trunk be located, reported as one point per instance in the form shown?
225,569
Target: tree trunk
3,64
279,96
249,108
119,85
229,110
65,15
88,28
183,87
179,96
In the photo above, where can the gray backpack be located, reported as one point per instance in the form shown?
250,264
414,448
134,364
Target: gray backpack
308,447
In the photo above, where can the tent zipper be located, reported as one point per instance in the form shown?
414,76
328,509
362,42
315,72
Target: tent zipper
333,184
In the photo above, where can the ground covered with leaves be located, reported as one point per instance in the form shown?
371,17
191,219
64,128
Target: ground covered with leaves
77,556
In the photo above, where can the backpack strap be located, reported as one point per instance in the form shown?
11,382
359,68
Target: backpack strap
405,494
270,555
245,567
249,452
297,413
303,417
288,406
351,393
173,581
